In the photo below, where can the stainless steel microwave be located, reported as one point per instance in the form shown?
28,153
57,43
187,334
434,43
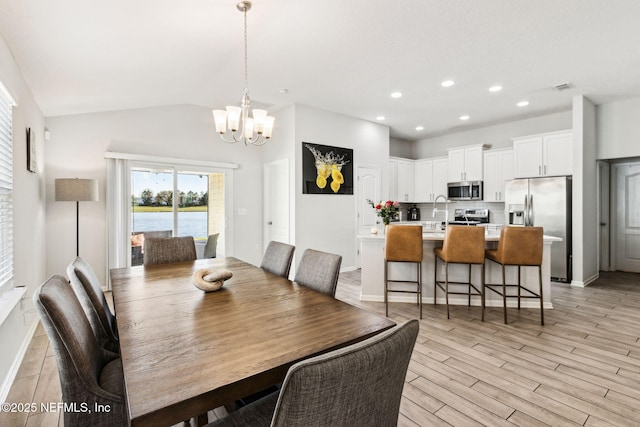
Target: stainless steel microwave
467,190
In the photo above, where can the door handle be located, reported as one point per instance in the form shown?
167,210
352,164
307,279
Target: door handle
531,217
270,223
526,210
539,170
545,170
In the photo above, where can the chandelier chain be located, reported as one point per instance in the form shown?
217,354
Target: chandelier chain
246,60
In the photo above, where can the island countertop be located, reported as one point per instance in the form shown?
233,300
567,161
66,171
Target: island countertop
372,271
439,237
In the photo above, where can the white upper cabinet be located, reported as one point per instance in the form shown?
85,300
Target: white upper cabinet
401,179
430,179
393,179
498,168
549,154
405,181
465,163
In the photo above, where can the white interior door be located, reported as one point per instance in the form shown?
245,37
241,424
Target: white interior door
368,188
276,202
628,217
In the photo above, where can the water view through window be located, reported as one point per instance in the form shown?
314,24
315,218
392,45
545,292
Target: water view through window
156,211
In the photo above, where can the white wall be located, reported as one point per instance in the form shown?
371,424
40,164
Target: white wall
498,136
618,129
77,148
401,148
29,211
328,222
585,184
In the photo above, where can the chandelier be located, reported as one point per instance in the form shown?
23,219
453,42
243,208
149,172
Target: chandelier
255,130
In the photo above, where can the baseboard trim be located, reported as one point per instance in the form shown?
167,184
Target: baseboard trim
17,361
585,283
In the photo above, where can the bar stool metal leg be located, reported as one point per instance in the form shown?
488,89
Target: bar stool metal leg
386,288
504,294
541,300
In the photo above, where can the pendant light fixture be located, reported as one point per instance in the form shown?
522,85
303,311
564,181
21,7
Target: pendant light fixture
255,130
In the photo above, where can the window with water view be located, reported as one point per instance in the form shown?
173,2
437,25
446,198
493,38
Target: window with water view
167,202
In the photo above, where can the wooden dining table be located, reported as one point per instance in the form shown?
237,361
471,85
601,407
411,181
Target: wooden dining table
185,351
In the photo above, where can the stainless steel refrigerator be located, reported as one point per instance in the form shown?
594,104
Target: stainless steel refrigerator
544,202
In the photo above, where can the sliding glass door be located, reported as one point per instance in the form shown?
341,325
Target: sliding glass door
168,201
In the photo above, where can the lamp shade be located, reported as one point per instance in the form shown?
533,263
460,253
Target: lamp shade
76,190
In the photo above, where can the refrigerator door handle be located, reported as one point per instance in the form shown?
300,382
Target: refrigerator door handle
531,217
525,222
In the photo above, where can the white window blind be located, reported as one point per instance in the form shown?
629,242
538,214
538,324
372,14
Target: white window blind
6,191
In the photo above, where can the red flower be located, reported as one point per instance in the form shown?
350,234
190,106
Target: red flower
378,206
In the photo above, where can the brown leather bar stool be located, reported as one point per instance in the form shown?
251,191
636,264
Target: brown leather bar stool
403,243
522,247
462,245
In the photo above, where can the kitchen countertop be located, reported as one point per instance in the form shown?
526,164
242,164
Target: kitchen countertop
439,236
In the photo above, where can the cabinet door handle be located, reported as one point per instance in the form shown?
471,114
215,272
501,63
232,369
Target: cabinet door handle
545,170
539,170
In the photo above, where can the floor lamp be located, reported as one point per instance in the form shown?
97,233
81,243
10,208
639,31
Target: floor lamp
77,190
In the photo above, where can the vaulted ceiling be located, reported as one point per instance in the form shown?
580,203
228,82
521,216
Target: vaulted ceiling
82,56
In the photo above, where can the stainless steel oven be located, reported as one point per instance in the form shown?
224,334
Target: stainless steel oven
467,190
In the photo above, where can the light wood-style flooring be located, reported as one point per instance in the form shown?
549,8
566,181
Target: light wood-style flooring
581,368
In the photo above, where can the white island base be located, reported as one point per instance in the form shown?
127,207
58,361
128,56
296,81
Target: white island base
372,275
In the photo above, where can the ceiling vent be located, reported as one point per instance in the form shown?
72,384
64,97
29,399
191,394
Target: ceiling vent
563,86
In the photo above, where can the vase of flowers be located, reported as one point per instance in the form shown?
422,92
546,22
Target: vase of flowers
385,210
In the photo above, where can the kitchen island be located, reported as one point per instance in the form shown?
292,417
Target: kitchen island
372,276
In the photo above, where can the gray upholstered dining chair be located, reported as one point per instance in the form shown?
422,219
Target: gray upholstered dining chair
359,385
211,247
169,249
89,374
319,271
87,288
277,258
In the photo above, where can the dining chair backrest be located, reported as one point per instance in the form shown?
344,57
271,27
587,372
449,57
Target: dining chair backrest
359,385
89,292
169,249
211,248
89,374
277,258
319,271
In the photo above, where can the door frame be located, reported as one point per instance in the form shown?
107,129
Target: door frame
613,255
358,203
267,188
605,239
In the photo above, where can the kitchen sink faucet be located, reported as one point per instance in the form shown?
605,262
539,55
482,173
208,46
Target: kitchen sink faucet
446,207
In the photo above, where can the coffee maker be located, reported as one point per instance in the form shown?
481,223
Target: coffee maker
413,213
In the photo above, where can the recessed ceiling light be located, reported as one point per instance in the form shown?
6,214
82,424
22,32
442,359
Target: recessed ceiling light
419,128
380,118
447,83
496,88
522,103
396,95
465,117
